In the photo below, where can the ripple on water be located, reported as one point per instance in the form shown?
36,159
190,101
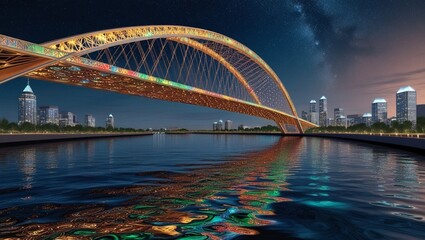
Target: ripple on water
304,188
391,204
326,204
409,216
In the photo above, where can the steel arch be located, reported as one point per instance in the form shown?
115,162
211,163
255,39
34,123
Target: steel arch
70,49
91,42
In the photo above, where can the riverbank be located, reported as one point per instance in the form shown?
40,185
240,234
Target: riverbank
226,132
31,138
410,142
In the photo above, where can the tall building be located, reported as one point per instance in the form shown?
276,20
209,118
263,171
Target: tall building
420,110
338,112
27,108
67,119
110,122
90,121
313,106
367,119
220,125
304,115
215,126
323,111
314,116
379,110
355,119
406,104
341,121
48,114
331,122
228,125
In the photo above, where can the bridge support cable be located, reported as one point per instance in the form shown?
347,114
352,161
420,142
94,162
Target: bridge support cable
173,63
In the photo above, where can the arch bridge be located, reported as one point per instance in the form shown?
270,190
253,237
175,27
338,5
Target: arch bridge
174,63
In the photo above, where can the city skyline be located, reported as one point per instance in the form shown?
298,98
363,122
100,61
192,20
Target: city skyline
407,109
49,114
340,50
382,102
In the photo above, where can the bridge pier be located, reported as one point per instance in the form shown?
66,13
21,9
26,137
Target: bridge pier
284,127
281,127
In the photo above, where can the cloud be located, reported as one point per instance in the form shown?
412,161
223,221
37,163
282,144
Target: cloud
390,85
406,74
412,77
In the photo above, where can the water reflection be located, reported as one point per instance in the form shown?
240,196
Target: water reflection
294,187
91,149
51,157
27,165
159,140
110,150
222,202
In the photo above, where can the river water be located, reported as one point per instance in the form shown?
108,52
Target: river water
211,187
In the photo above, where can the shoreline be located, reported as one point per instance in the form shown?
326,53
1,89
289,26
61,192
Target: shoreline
405,143
400,142
34,138
228,133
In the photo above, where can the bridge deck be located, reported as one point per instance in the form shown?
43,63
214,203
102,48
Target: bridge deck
19,58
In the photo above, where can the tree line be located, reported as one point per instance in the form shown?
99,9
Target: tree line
268,128
8,127
379,127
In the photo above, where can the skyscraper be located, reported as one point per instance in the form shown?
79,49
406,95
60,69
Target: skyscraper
27,106
312,106
67,119
110,122
379,110
420,110
323,111
228,125
314,117
340,119
355,119
215,126
367,119
90,121
406,104
338,112
220,125
48,114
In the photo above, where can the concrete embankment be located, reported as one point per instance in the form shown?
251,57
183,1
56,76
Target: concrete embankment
408,143
31,138
412,142
226,133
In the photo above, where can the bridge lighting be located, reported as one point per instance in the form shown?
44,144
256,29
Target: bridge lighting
101,37
245,83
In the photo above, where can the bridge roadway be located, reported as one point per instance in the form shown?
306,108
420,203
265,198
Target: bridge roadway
53,65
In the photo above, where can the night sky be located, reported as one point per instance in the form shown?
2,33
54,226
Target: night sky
349,51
